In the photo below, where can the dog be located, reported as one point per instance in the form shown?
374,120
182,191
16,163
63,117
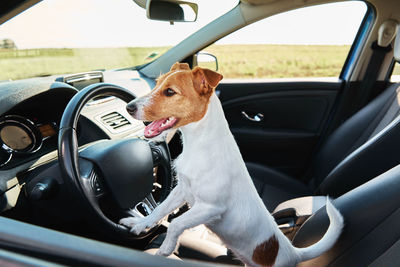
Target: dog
212,177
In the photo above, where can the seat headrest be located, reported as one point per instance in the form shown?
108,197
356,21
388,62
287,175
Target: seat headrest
396,48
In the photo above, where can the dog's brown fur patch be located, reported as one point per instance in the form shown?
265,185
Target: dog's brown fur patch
266,252
193,89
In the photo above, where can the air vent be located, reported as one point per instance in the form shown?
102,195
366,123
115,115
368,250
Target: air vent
115,121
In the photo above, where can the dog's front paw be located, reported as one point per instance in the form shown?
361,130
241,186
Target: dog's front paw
130,221
137,225
166,249
139,228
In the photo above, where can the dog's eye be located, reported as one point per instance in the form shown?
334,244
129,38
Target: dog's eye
169,92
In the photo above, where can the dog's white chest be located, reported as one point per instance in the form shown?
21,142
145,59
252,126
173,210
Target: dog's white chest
188,178
185,168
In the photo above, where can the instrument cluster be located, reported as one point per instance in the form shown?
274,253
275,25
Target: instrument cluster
20,135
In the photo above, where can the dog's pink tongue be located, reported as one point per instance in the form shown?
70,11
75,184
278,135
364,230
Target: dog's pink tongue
158,126
154,128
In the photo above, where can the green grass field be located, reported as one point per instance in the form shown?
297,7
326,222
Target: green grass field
235,61
18,64
279,61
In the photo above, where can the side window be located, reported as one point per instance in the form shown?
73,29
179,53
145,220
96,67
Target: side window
395,78
307,42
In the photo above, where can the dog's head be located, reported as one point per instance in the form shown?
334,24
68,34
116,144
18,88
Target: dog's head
180,97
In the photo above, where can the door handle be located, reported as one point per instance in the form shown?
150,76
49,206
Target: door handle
256,118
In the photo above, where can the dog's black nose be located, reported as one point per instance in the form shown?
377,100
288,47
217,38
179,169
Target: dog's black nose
131,108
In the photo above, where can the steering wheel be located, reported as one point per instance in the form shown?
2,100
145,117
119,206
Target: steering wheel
122,170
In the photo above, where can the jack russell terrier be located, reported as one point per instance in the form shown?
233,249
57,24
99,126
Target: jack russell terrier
212,176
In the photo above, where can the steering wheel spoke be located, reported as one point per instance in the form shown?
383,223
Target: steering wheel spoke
90,180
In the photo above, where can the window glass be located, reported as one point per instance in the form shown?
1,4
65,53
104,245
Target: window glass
395,78
67,36
307,42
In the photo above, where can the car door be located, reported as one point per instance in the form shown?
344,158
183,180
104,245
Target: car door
279,94
278,123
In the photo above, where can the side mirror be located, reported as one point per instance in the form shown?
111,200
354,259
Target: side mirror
205,60
171,10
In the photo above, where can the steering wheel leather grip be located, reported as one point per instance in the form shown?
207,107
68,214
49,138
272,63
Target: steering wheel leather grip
103,164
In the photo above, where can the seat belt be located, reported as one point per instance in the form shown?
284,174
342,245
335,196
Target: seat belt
372,72
386,33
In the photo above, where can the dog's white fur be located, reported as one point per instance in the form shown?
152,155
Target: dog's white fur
214,181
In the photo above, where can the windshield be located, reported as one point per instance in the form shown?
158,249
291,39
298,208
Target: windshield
70,36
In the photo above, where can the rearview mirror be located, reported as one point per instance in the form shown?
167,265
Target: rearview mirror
171,10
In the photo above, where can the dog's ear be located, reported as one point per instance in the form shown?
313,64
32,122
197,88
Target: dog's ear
179,66
205,80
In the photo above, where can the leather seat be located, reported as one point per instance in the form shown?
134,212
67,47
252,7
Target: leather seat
275,187
371,235
363,147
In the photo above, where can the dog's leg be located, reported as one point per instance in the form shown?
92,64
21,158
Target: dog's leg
200,213
174,200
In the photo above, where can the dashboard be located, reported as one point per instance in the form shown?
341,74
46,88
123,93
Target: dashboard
31,110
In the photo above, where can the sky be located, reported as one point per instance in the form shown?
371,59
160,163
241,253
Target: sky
121,23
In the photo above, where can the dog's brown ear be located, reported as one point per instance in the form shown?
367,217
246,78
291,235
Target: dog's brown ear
180,66
205,80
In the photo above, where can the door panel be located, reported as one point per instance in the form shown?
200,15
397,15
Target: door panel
294,115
